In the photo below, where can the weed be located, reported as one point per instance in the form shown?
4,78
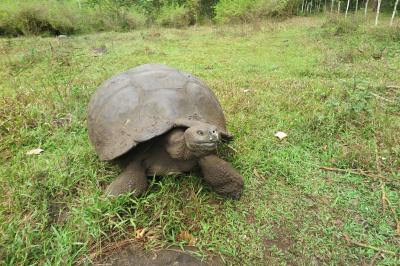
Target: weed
174,16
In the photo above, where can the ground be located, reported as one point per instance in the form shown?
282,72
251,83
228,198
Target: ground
333,89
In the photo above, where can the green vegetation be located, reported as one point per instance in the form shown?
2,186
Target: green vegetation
335,92
55,17
228,11
60,17
174,16
51,17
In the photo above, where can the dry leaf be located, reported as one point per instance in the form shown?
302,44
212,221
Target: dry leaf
139,234
35,151
186,236
280,135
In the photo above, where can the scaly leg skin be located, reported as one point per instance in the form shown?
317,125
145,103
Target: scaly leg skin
221,176
132,179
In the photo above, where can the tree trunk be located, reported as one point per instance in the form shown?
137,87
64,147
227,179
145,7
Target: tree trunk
366,8
302,6
332,4
356,6
394,12
377,12
375,4
325,7
338,7
347,8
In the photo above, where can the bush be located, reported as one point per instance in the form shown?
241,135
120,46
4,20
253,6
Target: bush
384,33
338,25
37,17
55,17
233,11
118,19
174,15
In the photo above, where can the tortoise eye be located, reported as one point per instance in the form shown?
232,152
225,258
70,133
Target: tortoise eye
200,132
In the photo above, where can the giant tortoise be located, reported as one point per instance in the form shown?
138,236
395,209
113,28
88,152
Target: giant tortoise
157,120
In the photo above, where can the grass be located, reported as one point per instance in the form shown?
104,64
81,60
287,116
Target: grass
330,92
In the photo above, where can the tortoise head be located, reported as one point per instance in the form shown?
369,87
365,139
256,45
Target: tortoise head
202,139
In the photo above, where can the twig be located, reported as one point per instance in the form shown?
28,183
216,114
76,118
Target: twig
382,98
352,171
352,242
378,168
384,199
232,148
392,87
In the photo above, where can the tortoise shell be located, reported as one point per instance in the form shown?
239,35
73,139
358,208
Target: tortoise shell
145,102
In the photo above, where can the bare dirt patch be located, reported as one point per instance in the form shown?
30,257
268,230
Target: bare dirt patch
134,255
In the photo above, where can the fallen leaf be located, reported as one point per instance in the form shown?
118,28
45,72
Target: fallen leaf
186,236
280,135
139,234
35,151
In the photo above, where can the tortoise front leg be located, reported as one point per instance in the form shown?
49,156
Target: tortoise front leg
221,176
132,179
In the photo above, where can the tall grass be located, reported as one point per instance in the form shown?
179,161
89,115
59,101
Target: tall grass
50,17
55,17
174,15
231,11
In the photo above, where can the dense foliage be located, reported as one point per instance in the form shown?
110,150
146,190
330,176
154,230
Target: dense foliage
54,17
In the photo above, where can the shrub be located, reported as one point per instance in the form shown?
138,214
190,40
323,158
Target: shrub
337,25
384,33
41,17
37,17
174,15
233,11
118,19
7,27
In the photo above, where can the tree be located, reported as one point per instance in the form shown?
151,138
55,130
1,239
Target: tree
332,4
347,7
377,12
394,12
366,8
356,6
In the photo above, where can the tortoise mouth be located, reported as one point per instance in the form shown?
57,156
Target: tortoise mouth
203,145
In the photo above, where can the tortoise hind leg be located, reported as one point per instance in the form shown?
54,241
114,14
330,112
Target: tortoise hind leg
221,176
132,179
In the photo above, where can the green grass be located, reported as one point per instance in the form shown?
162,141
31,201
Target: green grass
327,91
